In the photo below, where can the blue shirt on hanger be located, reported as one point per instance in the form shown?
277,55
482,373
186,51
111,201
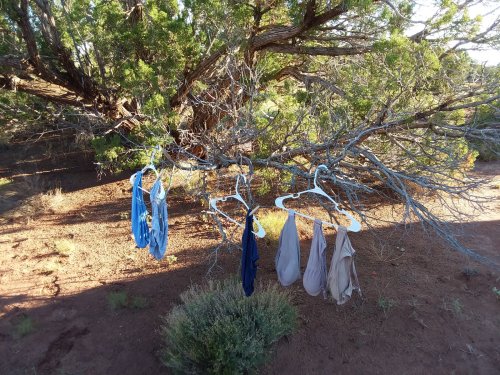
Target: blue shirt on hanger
139,214
159,223
249,257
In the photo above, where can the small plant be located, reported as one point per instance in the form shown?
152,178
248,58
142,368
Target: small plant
385,304
468,273
24,327
50,266
118,300
139,302
122,300
171,259
4,181
64,247
455,307
413,303
217,330
273,224
51,201
496,292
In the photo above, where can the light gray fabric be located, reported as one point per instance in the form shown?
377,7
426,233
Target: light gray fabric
315,275
287,259
342,277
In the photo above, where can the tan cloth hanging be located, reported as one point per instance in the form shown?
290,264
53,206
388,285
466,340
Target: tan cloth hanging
342,278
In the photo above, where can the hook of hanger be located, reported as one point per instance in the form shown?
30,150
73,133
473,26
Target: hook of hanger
321,166
241,175
250,164
153,154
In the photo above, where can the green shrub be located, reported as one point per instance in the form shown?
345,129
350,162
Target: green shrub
273,223
123,300
64,247
115,153
217,330
271,181
496,292
24,327
118,300
5,181
139,302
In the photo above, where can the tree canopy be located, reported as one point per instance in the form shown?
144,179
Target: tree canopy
284,84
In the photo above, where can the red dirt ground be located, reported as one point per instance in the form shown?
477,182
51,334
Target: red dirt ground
425,308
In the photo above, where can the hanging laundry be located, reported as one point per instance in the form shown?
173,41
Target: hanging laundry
314,279
342,277
249,257
139,214
287,259
159,223
213,204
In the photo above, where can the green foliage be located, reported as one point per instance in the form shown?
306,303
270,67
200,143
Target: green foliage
107,149
271,181
21,108
496,292
118,300
64,247
273,224
114,152
4,181
139,302
24,326
217,330
142,50
122,300
486,151
385,304
454,306
362,4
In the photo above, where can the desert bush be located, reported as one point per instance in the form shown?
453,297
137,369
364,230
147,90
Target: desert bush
40,202
122,300
118,300
271,181
24,326
112,152
5,181
51,201
217,330
64,247
487,152
273,223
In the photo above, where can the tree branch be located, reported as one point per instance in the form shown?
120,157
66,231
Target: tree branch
202,68
307,79
316,51
281,33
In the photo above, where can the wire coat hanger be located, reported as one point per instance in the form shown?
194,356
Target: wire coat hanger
213,204
355,225
152,167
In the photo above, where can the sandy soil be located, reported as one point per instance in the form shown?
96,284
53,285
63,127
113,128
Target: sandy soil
425,308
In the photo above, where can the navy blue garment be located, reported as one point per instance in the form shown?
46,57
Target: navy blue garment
139,214
159,223
249,257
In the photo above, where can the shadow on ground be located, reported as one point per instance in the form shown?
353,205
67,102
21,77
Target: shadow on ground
424,309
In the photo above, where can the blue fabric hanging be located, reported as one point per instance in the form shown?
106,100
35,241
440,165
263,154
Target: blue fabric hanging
249,257
139,214
159,223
